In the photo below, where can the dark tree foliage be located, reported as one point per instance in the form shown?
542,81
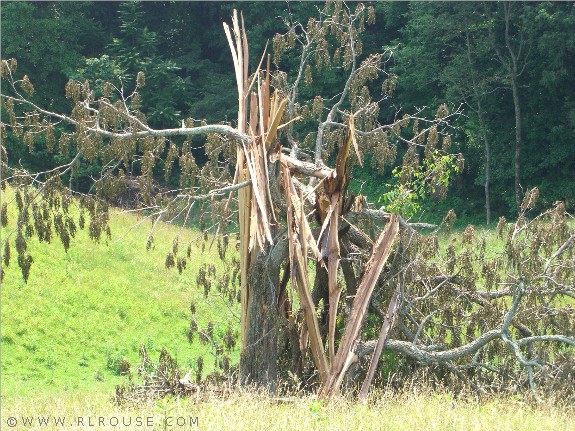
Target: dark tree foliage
55,41
433,63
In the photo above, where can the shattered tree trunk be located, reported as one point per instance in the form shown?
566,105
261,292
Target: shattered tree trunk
261,255
260,355
260,259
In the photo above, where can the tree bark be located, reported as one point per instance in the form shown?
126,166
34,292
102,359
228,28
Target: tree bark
487,164
518,138
258,363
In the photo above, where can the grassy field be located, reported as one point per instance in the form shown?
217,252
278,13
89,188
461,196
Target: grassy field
83,310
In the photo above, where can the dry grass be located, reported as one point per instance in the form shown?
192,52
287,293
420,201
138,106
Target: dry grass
251,411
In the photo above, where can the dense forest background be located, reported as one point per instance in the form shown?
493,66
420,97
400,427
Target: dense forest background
508,65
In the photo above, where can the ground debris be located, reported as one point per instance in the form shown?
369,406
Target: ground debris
165,379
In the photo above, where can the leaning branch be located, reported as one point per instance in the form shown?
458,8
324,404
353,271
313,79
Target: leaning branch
221,129
218,192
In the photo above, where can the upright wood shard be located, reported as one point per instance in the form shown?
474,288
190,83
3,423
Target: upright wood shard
388,322
333,258
300,221
275,117
290,233
298,246
355,146
310,316
334,187
266,96
244,213
379,256
237,45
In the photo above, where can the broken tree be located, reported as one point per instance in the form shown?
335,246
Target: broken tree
312,262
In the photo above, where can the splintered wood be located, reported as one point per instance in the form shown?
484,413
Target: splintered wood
298,236
259,117
242,174
344,356
300,239
388,322
334,185
254,203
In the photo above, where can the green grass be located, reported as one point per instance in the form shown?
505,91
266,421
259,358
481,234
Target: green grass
83,310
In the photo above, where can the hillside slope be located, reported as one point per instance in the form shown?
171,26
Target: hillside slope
84,310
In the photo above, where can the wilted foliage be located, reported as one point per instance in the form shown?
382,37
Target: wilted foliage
488,318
